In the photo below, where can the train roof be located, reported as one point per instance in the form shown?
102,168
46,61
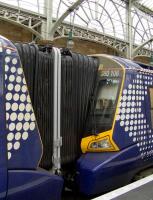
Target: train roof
127,64
144,65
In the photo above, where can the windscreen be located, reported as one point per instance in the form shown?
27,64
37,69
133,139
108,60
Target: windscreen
104,101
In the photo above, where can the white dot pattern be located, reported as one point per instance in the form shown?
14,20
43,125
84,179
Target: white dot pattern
19,113
132,117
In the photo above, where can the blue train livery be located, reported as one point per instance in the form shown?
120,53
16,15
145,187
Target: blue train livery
119,140
20,143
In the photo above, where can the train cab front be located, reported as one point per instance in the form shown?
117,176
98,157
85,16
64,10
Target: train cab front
103,107
96,167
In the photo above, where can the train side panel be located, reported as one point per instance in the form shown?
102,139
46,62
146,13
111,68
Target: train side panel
132,125
30,184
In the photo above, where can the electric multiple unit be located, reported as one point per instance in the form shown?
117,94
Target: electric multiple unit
114,129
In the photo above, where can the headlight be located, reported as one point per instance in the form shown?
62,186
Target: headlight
101,144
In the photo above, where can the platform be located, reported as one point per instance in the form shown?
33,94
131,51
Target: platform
139,190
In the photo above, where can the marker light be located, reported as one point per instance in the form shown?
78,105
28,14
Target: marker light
101,144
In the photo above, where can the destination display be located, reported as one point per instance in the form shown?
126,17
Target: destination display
110,73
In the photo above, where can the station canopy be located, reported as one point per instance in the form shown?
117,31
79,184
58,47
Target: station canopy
147,3
108,17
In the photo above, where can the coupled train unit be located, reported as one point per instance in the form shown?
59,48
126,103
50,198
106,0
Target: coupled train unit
68,119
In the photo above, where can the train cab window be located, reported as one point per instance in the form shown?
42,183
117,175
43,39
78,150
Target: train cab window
151,104
107,95
105,100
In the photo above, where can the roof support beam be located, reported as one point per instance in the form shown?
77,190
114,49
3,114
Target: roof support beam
48,10
30,29
143,8
129,29
141,46
64,15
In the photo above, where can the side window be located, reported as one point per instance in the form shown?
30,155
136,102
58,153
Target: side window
151,104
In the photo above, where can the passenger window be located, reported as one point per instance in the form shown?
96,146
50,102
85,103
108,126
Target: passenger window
151,104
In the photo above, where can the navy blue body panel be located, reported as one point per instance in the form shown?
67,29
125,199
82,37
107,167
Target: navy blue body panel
23,138
101,172
28,185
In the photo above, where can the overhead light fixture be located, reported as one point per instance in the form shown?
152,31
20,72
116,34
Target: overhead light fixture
70,42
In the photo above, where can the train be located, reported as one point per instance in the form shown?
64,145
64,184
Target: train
70,120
